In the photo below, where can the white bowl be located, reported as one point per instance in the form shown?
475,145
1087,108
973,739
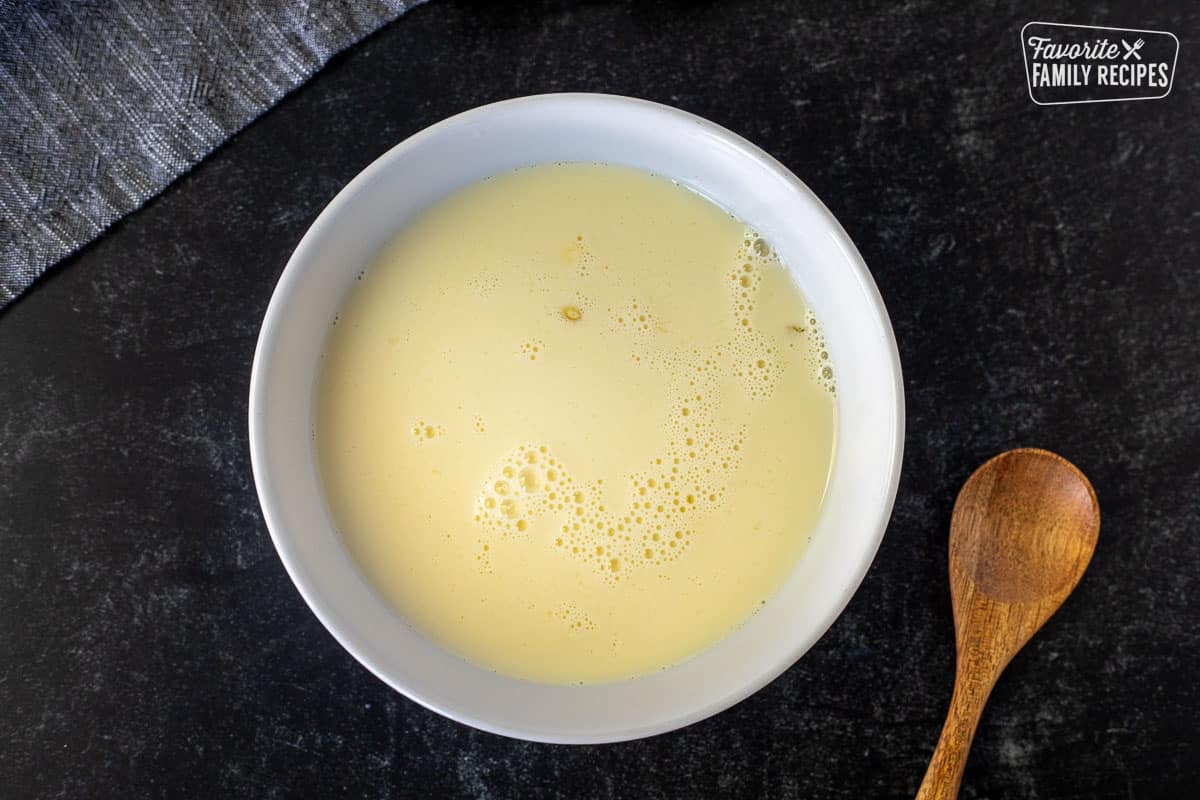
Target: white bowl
596,128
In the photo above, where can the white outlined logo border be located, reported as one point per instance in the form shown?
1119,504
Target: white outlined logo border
1029,78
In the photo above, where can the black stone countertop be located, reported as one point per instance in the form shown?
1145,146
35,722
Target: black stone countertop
1042,269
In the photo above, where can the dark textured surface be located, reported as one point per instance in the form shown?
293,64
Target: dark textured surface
1042,269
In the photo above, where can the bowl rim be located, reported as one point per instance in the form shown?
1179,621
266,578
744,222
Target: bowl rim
266,345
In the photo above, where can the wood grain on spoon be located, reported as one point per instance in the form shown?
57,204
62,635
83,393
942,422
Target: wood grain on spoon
1023,531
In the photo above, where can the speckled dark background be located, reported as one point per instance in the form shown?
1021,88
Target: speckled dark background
1042,269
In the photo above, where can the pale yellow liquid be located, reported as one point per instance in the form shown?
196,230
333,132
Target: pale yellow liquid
575,423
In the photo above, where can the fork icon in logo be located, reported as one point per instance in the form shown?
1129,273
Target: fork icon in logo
1132,49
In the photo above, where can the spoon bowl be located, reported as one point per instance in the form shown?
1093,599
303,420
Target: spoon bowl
1039,543
1023,531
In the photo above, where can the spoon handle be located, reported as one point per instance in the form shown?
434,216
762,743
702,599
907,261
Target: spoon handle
972,686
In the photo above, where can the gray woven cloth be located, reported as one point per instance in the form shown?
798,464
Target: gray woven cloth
103,104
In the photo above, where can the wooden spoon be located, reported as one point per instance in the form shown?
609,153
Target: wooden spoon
1024,528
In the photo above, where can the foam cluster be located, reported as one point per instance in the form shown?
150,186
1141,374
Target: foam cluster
805,334
651,527
571,616
484,283
646,519
648,524
580,256
531,348
424,432
636,318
